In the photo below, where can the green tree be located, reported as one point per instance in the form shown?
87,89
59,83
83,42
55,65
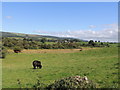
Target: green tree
91,43
43,40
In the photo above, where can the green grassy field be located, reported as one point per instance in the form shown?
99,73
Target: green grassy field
99,65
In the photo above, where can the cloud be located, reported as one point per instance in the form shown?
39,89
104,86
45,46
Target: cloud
41,32
108,33
92,26
1,29
8,17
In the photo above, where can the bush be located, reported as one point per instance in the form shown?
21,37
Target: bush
3,53
17,49
75,82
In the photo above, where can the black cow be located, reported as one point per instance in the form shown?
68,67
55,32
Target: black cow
37,64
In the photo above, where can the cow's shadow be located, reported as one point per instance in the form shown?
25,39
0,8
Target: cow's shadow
35,68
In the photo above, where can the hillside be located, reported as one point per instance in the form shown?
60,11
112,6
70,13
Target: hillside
32,36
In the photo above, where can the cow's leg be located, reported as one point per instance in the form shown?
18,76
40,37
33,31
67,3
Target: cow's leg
34,67
40,66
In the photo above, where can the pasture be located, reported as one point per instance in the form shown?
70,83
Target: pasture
99,64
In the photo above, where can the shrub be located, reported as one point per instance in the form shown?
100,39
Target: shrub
3,53
17,49
75,82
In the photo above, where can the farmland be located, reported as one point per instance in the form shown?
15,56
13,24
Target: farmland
99,64
59,45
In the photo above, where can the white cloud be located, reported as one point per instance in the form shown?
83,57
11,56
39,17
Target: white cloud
92,26
108,33
41,31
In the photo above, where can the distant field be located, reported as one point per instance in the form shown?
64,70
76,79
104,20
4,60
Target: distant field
98,64
53,50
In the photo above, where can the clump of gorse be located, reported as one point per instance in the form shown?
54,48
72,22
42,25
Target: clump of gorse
74,82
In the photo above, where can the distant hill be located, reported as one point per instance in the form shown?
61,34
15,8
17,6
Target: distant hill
21,35
32,36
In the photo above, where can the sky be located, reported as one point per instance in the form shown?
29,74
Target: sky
83,20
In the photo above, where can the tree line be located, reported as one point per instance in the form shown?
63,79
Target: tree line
24,43
27,43
10,43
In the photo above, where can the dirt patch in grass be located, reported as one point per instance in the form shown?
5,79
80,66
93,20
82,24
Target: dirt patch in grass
52,50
